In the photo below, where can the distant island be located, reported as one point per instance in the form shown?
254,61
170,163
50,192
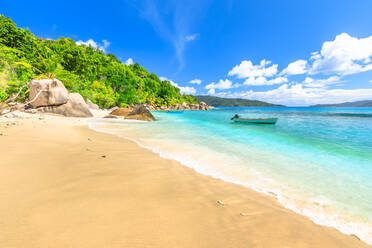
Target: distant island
365,103
233,102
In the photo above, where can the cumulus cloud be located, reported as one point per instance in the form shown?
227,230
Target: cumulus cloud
106,43
344,55
319,83
211,92
246,69
184,90
195,81
295,68
187,90
298,95
337,58
94,44
129,61
263,81
221,85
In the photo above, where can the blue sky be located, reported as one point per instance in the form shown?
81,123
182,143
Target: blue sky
289,52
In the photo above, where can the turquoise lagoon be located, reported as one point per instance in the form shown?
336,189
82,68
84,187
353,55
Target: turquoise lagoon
314,161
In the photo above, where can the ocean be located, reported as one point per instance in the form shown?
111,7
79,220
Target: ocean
314,161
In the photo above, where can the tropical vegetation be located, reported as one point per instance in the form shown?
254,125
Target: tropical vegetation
97,76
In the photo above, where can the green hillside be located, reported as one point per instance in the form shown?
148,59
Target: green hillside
89,71
232,102
366,103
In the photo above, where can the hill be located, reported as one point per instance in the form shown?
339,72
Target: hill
366,103
101,77
232,102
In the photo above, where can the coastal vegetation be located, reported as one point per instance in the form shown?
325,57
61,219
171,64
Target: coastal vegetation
97,76
232,102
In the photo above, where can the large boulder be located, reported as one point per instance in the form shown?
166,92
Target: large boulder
92,105
124,112
47,92
140,112
194,106
112,109
75,107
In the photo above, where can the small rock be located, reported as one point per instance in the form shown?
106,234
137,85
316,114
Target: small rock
110,116
243,214
353,235
31,111
89,139
6,111
103,156
220,202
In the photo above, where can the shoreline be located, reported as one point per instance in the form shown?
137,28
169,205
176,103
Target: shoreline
56,187
342,223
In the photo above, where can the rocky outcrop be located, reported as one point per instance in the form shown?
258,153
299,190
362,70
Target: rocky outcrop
140,112
112,109
92,105
203,106
51,96
124,112
74,107
47,92
183,106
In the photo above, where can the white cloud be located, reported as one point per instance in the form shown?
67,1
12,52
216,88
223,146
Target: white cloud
163,78
295,68
106,43
129,61
94,44
319,83
370,81
298,95
221,85
195,81
191,37
211,92
345,55
187,90
184,90
263,81
246,69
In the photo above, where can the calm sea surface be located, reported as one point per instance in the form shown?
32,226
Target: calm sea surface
315,161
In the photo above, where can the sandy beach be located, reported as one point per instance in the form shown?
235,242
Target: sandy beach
64,185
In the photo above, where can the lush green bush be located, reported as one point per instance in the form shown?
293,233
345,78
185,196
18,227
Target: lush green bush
102,78
3,95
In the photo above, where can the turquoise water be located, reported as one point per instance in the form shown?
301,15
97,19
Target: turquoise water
315,161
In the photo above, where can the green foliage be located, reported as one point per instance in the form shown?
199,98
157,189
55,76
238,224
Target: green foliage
232,102
102,78
3,95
